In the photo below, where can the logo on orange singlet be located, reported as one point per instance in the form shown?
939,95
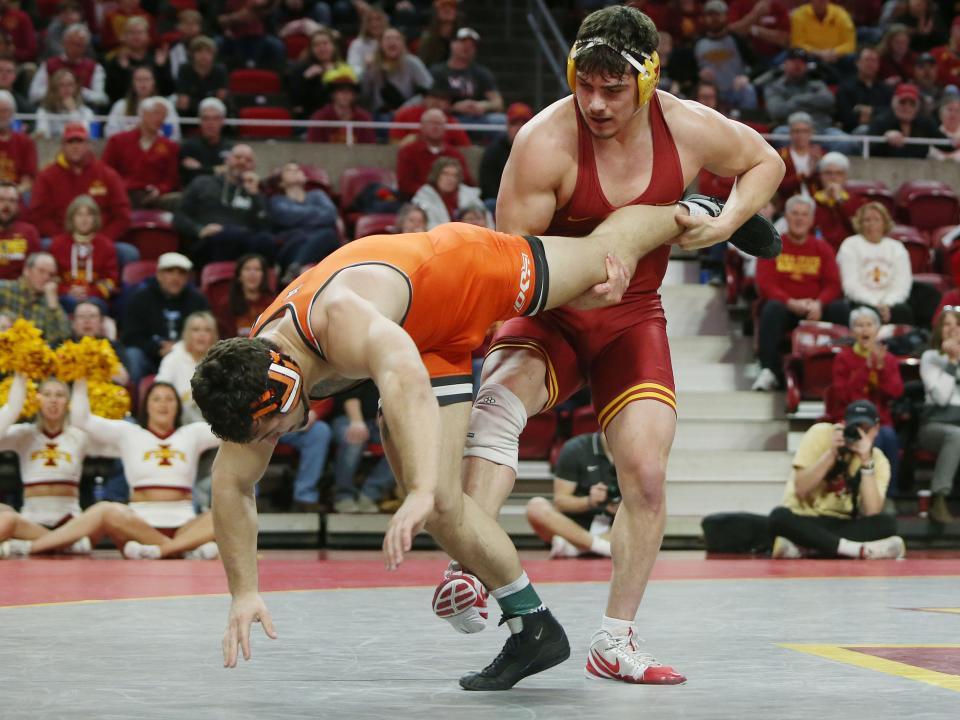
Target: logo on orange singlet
524,283
50,455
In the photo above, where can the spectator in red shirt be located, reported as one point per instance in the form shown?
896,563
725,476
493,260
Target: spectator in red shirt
415,159
948,57
18,25
144,158
803,283
77,171
343,106
800,157
434,98
86,258
896,57
249,295
88,72
766,23
835,206
18,240
115,21
18,152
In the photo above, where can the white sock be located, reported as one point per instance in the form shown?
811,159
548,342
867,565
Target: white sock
516,586
600,546
616,626
849,548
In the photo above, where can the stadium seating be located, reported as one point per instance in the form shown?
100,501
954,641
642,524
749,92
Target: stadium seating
918,247
152,233
538,437
809,367
138,271
265,131
927,204
254,82
374,224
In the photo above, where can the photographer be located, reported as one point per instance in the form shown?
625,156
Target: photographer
834,497
585,499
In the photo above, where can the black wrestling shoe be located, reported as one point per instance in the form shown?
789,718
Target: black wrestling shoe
541,644
757,236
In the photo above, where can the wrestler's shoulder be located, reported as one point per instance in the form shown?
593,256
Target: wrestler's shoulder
687,115
554,127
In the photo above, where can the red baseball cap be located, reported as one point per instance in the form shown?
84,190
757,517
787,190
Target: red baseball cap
519,112
907,90
75,131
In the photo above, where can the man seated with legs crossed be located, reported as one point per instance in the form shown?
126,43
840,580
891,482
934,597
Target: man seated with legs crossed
407,311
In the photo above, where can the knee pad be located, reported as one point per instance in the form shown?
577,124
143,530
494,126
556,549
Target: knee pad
497,419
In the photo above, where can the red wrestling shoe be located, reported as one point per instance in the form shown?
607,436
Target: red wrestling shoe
619,658
461,600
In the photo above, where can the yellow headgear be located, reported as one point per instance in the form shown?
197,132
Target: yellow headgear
648,71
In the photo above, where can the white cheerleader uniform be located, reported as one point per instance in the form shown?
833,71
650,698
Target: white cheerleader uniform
149,460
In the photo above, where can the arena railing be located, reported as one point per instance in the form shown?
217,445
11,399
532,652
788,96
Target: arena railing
863,141
551,44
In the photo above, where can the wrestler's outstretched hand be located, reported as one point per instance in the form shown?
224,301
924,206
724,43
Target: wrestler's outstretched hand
405,523
244,611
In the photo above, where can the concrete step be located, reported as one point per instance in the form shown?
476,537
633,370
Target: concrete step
682,270
730,405
728,466
730,435
713,377
711,349
695,310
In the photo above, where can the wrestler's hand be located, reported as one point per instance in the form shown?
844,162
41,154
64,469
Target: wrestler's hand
244,611
701,231
405,523
610,291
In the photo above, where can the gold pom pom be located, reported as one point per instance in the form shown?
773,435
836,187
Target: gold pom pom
31,406
108,400
23,350
90,358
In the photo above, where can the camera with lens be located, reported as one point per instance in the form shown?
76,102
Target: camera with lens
851,432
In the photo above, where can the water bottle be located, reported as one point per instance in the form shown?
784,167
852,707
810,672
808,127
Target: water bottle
99,491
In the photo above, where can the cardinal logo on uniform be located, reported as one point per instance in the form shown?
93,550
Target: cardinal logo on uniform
164,455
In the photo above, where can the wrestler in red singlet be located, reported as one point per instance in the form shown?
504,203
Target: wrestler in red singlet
622,349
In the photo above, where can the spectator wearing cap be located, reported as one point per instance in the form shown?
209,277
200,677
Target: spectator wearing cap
473,89
145,159
903,120
33,296
796,91
394,78
415,159
765,24
18,25
88,72
221,217
800,157
496,153
434,44
18,239
18,151
77,171
860,98
201,78
833,502
835,206
155,312
307,80
435,98
724,59
245,41
205,153
363,48
803,283
135,52
948,57
87,259
824,30
925,78
343,106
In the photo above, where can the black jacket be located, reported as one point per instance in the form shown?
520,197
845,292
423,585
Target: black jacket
150,316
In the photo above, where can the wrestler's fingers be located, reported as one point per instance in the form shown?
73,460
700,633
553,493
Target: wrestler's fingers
230,646
245,639
267,623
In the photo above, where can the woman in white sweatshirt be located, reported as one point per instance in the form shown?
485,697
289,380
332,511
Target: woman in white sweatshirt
875,269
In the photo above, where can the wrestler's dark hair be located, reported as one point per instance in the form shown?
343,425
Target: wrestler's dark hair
621,26
143,417
226,383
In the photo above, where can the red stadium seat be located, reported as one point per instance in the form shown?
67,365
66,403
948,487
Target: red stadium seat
152,233
917,245
265,131
944,242
254,82
354,180
374,224
872,191
215,281
809,367
584,420
537,438
138,271
927,204
941,282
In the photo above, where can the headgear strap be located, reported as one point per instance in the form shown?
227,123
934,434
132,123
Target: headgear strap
284,381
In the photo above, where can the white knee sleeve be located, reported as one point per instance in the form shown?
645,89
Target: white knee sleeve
497,419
